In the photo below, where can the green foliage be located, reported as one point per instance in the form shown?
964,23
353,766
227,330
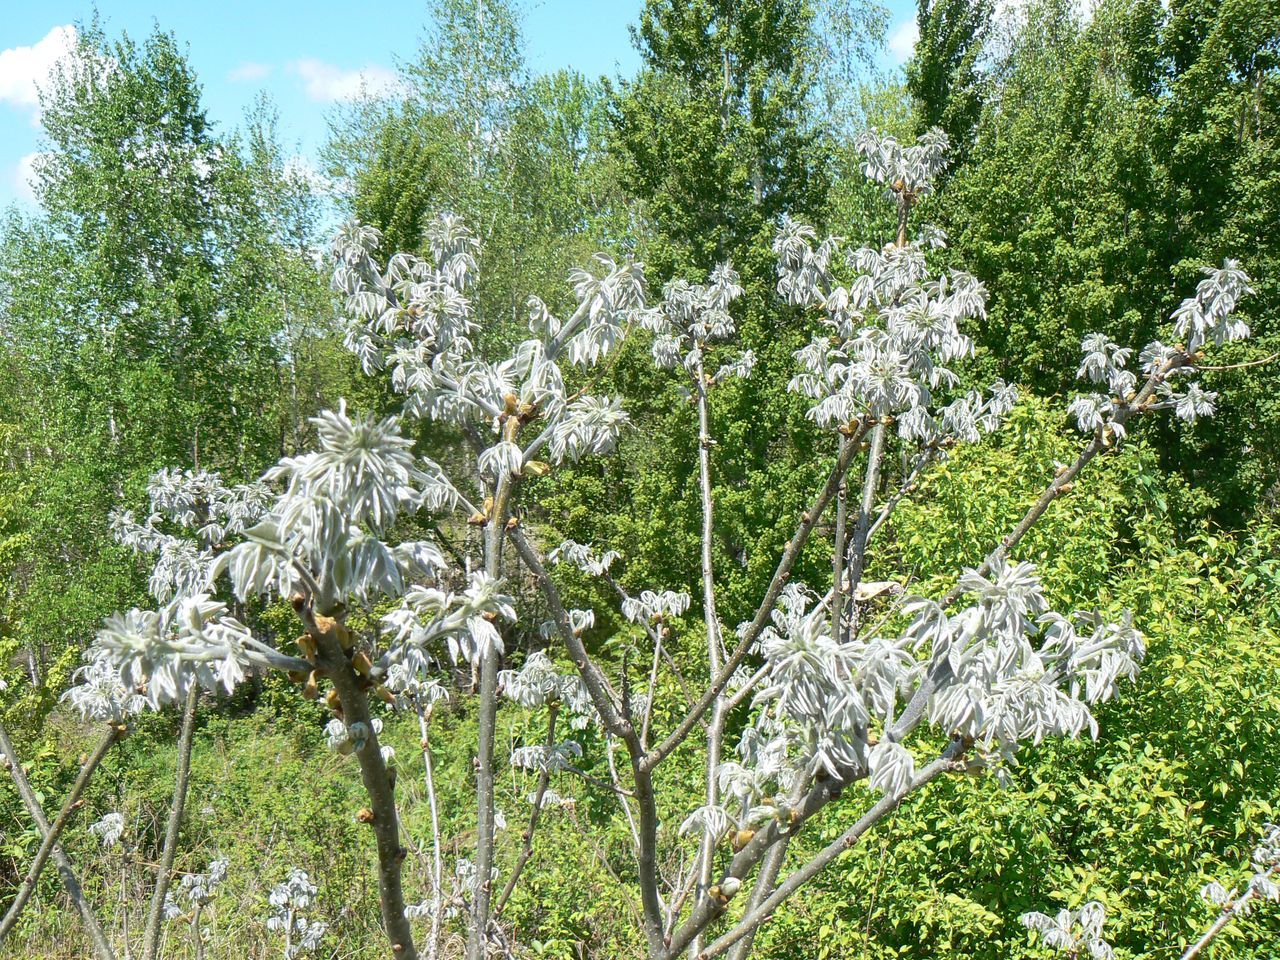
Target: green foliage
1119,156
943,75
160,310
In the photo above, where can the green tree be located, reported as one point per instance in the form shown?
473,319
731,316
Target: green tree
152,314
1116,158
943,75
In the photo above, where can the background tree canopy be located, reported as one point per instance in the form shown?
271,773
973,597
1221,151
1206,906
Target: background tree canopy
167,305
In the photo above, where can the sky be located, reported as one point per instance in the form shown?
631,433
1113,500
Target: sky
307,55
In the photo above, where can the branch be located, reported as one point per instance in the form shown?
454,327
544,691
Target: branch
804,874
904,488
601,697
69,807
915,707
155,917
659,648
788,825
768,876
597,686
69,879
780,577
544,779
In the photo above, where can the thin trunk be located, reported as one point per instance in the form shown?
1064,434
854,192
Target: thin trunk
196,940
437,865
478,934
69,807
858,547
715,729
837,553
164,870
335,660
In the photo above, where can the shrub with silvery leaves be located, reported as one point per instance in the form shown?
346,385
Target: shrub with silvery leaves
108,830
195,890
288,901
833,700
1075,933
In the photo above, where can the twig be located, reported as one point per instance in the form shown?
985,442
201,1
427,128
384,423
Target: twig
433,940
1228,914
1239,366
544,779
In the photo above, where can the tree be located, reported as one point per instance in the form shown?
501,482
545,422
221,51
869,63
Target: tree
163,292
880,685
943,75
470,132
1115,154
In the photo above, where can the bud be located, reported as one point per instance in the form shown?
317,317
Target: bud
360,660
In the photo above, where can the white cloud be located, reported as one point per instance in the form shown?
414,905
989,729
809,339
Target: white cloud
23,177
23,70
902,41
302,168
326,82
248,72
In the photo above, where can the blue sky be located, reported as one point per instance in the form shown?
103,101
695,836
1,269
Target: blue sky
308,55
